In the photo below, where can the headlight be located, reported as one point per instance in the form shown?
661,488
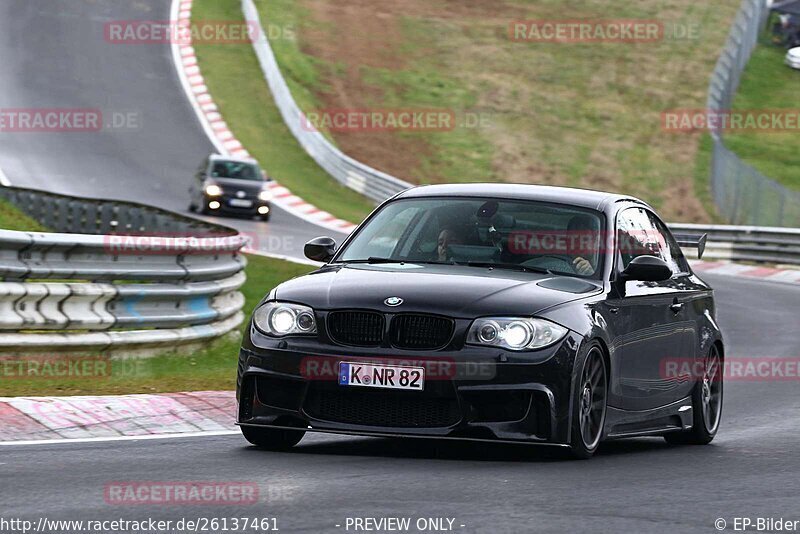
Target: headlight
213,190
515,333
284,319
265,195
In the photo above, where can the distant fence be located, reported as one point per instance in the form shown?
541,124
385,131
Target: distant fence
742,194
120,276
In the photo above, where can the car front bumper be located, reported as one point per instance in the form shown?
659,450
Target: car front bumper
474,393
225,206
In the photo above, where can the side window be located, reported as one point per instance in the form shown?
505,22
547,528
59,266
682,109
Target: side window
637,236
671,252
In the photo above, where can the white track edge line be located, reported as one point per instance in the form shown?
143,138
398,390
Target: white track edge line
58,441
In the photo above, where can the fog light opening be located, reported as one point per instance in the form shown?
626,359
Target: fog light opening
263,210
214,205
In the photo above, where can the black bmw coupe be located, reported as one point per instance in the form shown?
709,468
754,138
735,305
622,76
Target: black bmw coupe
513,313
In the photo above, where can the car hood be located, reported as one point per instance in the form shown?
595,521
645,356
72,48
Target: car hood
455,291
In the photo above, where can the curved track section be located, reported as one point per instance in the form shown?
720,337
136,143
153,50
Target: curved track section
55,55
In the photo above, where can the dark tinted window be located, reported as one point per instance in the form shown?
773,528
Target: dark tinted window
235,169
562,239
640,233
671,252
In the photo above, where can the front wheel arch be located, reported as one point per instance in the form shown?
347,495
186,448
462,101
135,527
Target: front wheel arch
588,349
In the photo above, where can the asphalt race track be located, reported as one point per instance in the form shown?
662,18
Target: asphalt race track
53,55
641,485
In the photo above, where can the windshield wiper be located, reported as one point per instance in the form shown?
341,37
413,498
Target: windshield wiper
374,259
509,266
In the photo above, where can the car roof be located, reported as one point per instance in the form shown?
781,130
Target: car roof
586,198
219,157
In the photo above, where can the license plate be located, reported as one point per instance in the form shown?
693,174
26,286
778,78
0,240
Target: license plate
240,203
381,376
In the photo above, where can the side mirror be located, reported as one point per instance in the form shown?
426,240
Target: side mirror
320,249
647,269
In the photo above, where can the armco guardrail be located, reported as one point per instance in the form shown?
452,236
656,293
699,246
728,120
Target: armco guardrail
153,278
747,243
370,182
75,215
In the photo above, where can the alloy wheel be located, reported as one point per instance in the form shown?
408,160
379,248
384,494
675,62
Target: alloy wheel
592,401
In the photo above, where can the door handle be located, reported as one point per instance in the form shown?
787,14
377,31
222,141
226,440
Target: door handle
676,307
613,309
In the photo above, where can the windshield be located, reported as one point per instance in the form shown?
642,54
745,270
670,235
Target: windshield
523,235
235,169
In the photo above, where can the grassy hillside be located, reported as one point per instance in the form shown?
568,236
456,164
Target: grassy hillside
580,114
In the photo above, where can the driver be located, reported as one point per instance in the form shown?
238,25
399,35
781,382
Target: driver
447,237
581,225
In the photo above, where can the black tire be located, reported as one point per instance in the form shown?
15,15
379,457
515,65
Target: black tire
274,439
706,405
192,207
589,404
266,217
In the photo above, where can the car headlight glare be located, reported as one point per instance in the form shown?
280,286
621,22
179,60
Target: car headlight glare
515,333
284,319
265,195
213,190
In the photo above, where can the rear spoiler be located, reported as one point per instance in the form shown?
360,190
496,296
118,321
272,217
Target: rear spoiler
693,241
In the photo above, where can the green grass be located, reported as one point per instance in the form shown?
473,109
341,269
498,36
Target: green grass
462,154
586,115
233,76
13,219
769,84
210,368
